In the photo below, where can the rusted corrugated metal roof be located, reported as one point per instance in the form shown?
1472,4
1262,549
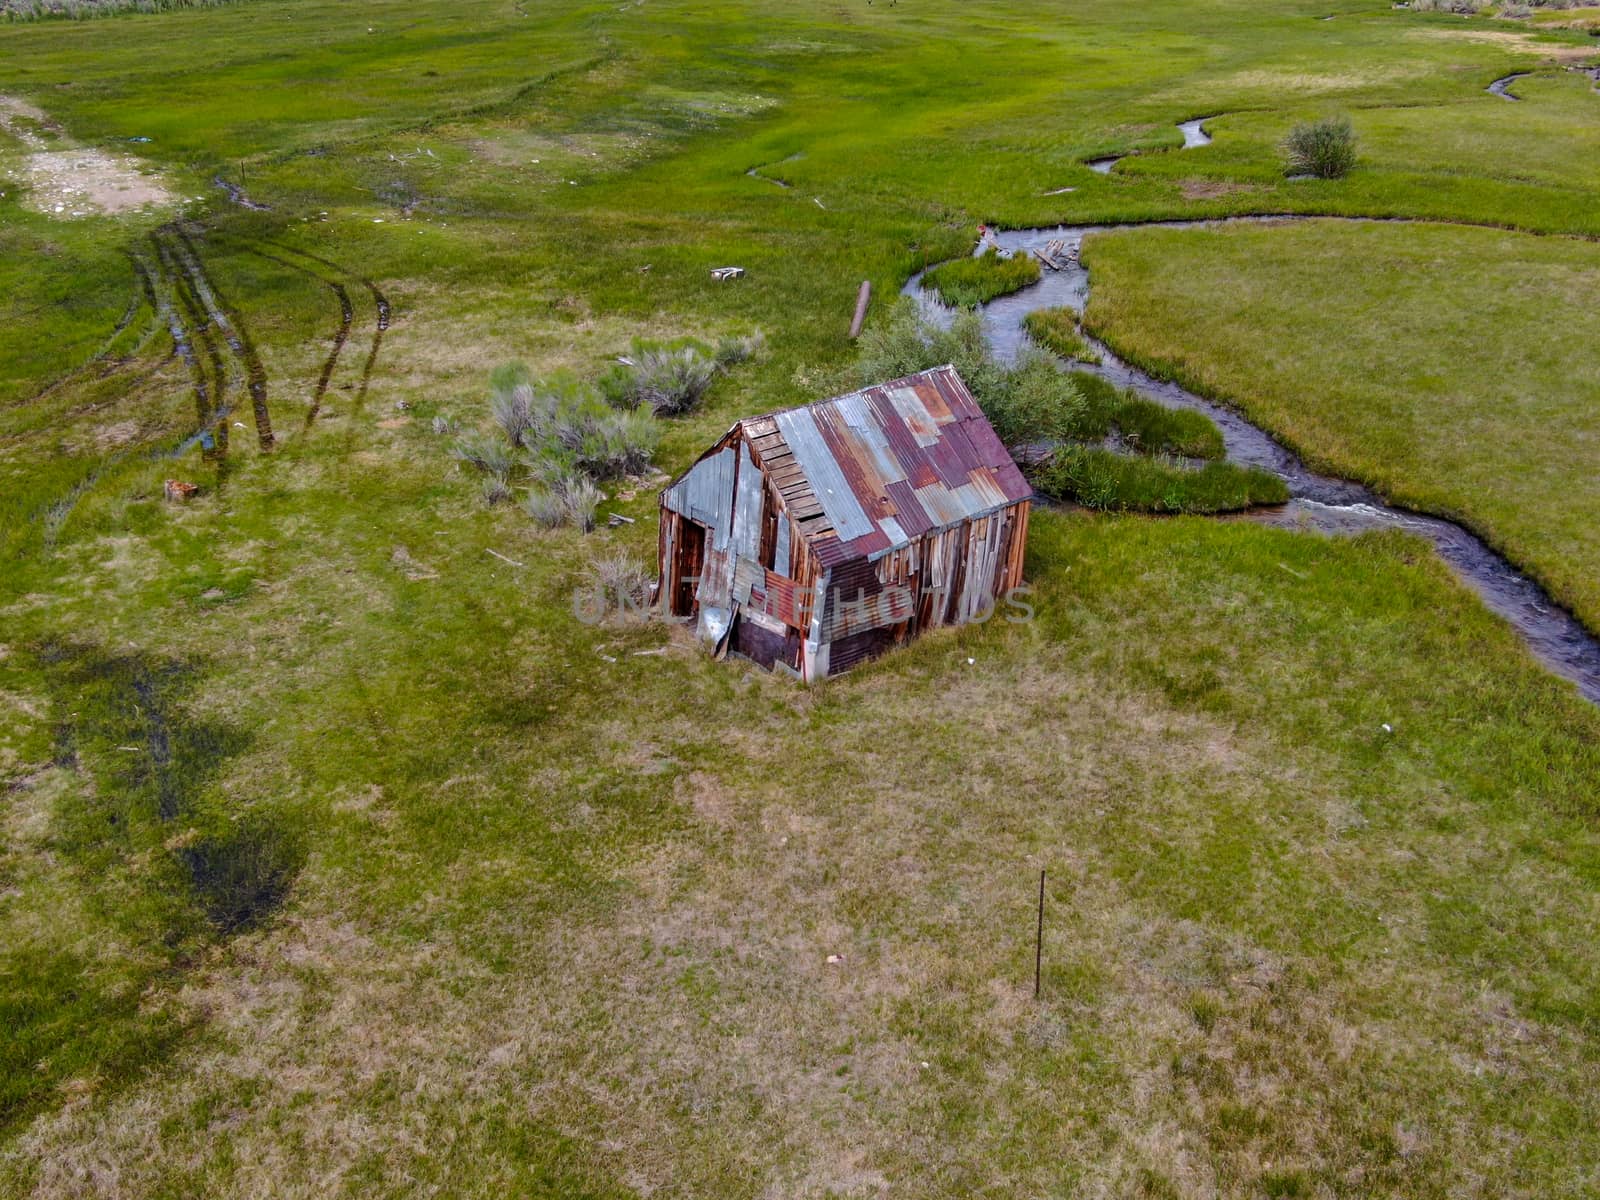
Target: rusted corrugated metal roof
881,467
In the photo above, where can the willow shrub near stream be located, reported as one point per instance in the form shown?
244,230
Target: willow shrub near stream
1033,404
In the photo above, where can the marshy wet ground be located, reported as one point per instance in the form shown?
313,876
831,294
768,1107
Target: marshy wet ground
1318,503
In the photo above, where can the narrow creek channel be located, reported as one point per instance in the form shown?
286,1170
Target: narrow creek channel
1319,503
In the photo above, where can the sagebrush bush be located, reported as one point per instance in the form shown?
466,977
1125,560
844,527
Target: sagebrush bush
495,489
564,499
489,454
669,380
561,433
511,402
1325,149
621,585
733,350
969,282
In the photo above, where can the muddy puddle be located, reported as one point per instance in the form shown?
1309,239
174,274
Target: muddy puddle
1319,503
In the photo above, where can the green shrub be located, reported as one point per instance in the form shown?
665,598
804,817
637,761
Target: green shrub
1098,478
969,282
1056,329
1036,404
1152,428
909,342
669,379
1325,148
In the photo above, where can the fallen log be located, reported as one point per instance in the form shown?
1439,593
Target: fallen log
863,298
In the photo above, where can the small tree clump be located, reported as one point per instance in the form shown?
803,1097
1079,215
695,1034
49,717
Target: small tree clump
1325,149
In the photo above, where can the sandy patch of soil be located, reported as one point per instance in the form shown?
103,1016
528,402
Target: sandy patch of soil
1508,39
68,180
1196,188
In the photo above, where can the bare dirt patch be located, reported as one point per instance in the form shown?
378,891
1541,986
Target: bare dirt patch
69,180
1214,189
1508,39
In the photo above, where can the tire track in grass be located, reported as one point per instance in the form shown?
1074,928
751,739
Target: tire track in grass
226,319
211,407
379,300
347,316
136,302
132,388
155,282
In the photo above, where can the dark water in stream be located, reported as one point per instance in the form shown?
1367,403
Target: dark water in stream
1319,503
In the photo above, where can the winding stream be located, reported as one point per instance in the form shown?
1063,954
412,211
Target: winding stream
1502,87
1318,502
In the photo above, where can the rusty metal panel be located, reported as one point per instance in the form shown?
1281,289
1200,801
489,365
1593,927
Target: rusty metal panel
799,428
919,422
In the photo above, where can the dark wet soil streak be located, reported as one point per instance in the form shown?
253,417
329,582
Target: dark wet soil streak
226,318
347,316
1318,502
205,409
236,195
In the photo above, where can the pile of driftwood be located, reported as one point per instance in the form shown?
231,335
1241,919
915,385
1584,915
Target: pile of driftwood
1057,255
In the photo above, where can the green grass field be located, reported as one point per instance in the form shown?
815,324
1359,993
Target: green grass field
339,856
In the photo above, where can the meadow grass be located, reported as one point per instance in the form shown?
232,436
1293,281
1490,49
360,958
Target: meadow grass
515,903
1056,329
969,282
1098,478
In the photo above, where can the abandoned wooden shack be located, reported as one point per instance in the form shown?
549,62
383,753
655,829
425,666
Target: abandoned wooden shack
814,539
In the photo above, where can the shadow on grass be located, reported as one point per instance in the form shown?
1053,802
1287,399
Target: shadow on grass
157,863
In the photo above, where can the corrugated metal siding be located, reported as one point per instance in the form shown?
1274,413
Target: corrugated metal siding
704,494
805,440
745,539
